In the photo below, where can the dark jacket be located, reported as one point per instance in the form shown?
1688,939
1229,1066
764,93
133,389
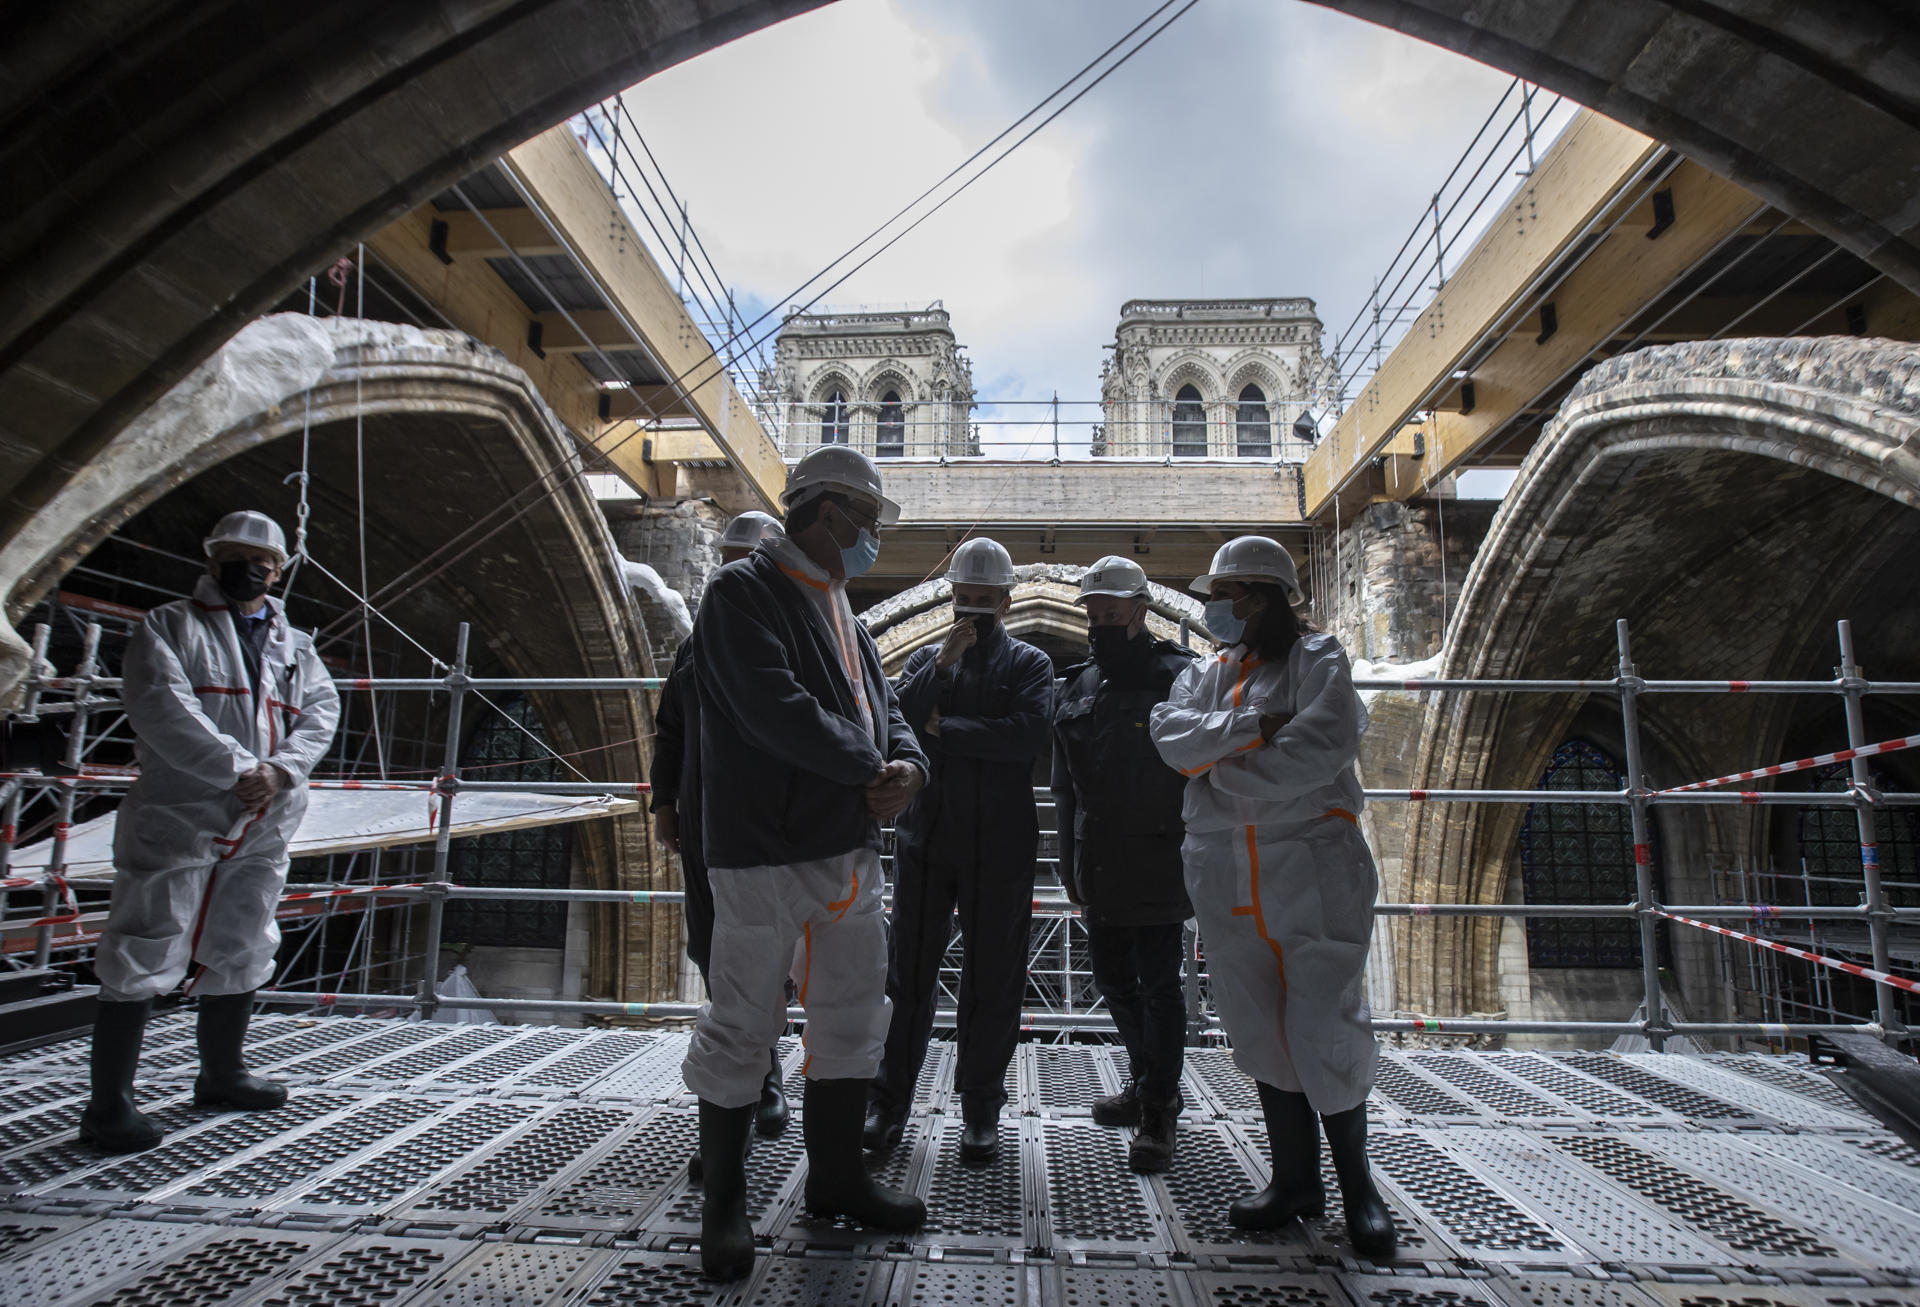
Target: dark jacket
780,730
675,776
994,707
1118,804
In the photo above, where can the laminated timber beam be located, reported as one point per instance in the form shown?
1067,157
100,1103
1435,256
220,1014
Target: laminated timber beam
1099,492
1569,195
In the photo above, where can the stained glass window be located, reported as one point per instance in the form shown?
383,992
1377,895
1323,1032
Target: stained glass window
1579,853
1253,437
833,418
892,438
537,856
1189,424
1830,845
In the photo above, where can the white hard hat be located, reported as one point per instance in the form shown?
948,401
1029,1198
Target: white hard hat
1252,558
837,467
247,527
981,561
749,529
1113,575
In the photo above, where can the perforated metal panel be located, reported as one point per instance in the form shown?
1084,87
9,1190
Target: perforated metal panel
1068,1077
512,1275
1826,1295
37,1164
500,1181
583,1068
1704,1207
1417,1096
183,1155
427,1058
1251,1289
1136,1287
1093,1200
1222,1085
617,1191
1581,1091
1794,1109
1416,1238
1599,1215
214,1271
20,1233
657,1280
774,1169
108,1249
959,1284
976,1205
1645,1084
503,1063
1206,1177
1566,1291
1794,1076
283,1166
395,1171
1505,1097
382,1039
1845,1160
651,1076
367,1272
1478,1217
1413,1291
897,1168
1888,1235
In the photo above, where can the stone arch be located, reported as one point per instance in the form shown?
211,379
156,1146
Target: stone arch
1730,499
822,382
455,430
1190,367
1044,613
1257,367
888,374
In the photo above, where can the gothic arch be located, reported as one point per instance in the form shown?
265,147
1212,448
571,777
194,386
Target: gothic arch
888,374
1044,611
1190,367
1258,367
824,379
1730,499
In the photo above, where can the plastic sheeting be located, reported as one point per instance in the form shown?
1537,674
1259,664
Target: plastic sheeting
345,821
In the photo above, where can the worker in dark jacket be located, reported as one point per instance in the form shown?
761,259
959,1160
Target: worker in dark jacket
803,754
1118,806
675,784
979,702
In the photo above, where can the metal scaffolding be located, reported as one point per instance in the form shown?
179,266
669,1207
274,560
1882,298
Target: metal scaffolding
1068,1009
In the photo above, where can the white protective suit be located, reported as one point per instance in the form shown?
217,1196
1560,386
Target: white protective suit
198,875
1281,880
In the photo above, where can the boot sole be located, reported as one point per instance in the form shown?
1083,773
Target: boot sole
833,1211
232,1106
1112,1120
119,1147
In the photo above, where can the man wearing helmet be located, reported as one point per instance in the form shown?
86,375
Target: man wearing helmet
675,781
1118,807
979,702
1281,879
797,716
230,708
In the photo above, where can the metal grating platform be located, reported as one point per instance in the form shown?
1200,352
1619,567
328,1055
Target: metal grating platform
496,1166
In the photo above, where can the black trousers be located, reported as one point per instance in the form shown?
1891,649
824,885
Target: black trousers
1137,971
995,904
698,910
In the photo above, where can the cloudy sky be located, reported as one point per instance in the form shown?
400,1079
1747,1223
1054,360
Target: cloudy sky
1256,148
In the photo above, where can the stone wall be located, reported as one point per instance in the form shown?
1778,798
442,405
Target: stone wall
1387,578
679,539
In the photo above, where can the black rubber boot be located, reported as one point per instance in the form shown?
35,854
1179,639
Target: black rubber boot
726,1235
1153,1140
837,1179
1121,1109
883,1128
980,1135
770,1117
1293,1133
110,1122
224,1080
1369,1224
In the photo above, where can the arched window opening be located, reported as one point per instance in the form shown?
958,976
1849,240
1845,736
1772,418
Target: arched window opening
538,857
891,442
1829,839
1579,853
1253,433
1189,424
833,418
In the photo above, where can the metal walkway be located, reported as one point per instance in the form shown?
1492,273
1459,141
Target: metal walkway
483,1166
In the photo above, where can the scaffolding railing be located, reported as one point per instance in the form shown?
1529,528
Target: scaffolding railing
1645,909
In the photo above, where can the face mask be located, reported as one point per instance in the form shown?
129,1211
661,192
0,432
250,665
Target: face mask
1222,622
242,581
1114,646
858,558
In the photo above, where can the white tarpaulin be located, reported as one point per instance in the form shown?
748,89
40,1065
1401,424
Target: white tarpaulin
343,821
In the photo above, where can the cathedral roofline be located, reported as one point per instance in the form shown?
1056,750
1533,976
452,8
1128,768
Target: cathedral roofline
1217,310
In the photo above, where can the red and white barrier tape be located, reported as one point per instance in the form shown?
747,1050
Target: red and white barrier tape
1851,968
71,912
1803,764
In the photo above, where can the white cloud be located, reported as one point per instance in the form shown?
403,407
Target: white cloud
1259,147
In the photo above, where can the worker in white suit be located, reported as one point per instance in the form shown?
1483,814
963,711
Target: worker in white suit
1282,883
231,708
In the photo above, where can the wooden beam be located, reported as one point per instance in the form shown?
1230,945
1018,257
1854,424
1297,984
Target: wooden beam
519,228
603,327
1575,184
